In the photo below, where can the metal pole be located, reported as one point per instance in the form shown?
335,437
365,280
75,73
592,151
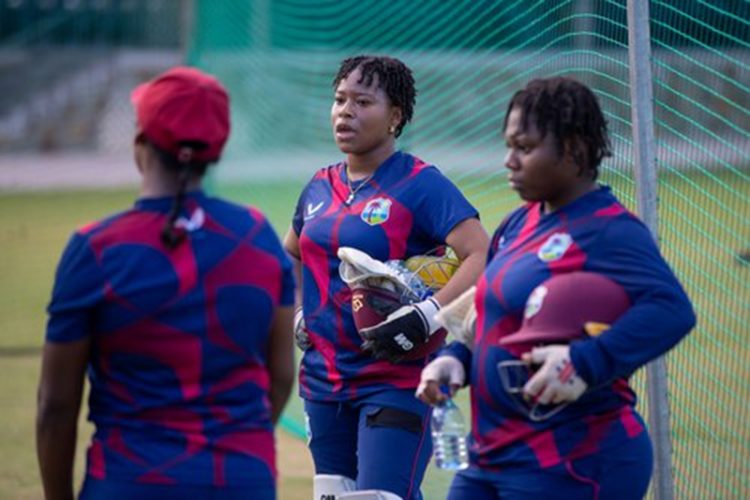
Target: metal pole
641,98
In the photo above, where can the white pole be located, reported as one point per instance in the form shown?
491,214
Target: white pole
641,99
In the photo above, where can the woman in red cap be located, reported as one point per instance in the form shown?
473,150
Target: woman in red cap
180,311
565,425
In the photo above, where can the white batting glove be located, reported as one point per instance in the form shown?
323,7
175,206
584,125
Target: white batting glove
301,337
442,370
556,381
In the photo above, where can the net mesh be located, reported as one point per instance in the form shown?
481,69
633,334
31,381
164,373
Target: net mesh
468,56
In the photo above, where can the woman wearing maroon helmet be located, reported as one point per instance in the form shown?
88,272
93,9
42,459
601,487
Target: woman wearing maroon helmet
566,426
180,310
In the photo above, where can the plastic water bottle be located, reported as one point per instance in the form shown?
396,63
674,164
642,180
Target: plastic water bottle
449,437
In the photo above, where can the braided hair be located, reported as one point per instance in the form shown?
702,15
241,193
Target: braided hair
394,77
186,169
569,110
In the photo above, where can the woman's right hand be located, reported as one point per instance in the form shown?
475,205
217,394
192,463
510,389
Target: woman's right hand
441,371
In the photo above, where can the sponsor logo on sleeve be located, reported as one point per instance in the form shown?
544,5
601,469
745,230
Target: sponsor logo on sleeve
312,210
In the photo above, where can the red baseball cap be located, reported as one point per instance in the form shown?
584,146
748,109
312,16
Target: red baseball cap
565,306
184,104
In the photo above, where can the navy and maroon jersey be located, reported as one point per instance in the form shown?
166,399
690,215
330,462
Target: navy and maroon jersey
407,208
594,233
179,384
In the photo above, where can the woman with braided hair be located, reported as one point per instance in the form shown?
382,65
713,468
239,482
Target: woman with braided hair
366,429
180,311
575,297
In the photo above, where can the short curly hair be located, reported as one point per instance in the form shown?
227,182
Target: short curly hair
568,109
394,77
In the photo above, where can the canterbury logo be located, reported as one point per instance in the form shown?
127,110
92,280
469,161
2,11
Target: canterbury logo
312,210
402,341
195,222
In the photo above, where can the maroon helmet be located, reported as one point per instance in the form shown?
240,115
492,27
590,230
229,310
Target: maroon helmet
372,305
563,308
379,288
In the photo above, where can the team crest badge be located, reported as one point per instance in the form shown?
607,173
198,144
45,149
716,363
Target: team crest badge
534,303
376,211
555,247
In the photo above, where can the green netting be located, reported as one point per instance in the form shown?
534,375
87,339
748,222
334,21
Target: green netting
102,23
278,58
702,91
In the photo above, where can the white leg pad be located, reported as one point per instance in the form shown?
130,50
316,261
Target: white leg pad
369,495
330,486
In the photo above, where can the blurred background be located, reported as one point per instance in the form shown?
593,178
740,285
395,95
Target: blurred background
66,129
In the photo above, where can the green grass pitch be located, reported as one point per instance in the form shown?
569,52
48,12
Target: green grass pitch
703,223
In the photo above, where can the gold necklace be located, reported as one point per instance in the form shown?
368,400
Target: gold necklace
353,191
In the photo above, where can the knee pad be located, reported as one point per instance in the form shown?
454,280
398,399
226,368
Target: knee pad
330,486
369,495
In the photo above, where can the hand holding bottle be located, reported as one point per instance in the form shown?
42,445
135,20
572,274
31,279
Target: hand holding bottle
442,370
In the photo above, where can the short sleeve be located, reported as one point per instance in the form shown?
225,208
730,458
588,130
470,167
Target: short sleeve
497,238
270,242
442,203
78,289
298,219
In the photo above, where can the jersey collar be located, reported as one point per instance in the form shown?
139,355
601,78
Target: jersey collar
164,203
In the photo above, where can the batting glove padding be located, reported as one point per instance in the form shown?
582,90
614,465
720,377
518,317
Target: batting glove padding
459,317
301,338
556,381
402,331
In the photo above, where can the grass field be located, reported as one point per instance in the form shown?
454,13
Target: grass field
704,221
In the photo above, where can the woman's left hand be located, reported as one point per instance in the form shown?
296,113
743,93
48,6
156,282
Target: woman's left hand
402,331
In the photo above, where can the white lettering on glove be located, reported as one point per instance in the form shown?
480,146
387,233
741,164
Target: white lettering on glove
401,331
